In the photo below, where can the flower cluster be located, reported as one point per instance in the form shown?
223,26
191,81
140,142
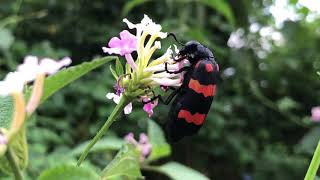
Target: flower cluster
28,71
143,145
143,75
13,84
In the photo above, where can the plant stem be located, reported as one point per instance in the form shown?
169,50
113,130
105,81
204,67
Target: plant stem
314,165
115,113
13,164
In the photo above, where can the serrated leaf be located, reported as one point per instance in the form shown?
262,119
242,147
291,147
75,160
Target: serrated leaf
160,148
19,148
119,67
64,77
102,145
113,72
6,111
177,171
124,166
222,7
68,172
132,4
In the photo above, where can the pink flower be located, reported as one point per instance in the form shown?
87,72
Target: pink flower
143,145
149,106
123,46
130,138
315,114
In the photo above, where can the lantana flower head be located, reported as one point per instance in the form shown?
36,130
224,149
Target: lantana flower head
144,73
31,70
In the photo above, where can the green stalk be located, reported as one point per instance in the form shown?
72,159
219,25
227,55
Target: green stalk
314,165
13,164
115,113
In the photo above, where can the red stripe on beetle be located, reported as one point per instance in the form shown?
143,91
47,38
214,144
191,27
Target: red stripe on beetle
196,118
206,90
209,68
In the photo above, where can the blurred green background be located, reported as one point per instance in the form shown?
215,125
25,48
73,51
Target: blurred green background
259,125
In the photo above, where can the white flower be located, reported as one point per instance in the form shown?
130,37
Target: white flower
31,66
13,83
116,99
147,26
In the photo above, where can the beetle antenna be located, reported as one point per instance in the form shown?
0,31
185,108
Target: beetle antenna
175,38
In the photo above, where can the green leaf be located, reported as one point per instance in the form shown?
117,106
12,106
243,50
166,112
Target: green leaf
178,171
119,67
6,111
160,148
124,166
64,77
19,148
222,7
109,143
132,4
68,172
113,72
6,38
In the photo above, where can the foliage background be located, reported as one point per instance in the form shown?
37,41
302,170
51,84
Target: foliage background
259,124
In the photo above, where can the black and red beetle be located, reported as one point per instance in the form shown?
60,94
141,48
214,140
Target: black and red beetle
194,97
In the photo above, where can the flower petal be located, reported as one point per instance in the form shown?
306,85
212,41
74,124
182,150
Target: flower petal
115,42
149,107
130,138
161,67
13,83
110,95
126,45
128,109
111,50
167,81
143,138
131,62
30,68
146,149
116,99
50,66
164,75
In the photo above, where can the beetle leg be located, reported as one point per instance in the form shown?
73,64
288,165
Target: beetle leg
175,72
164,101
